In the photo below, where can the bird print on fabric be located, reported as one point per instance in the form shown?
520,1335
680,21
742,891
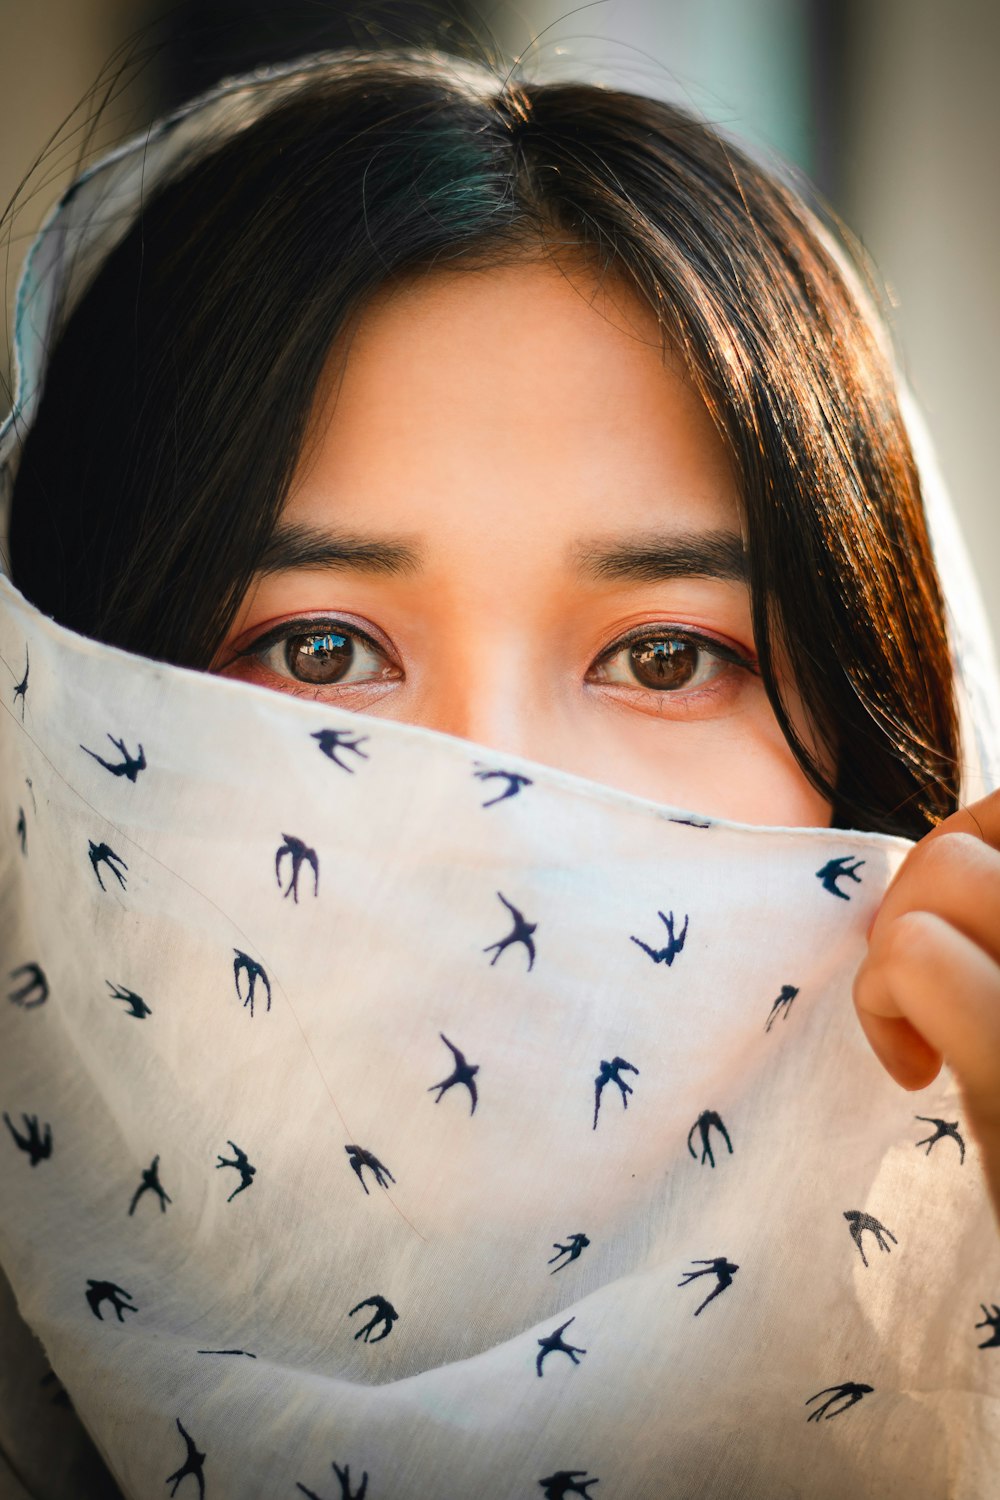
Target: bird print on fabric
673,945
33,990
244,964
384,1313
129,766
193,1466
942,1130
573,1250
103,854
566,1482
99,1292
782,1005
241,1163
337,742
463,1073
245,1352
137,1006
33,987
990,1320
859,1222
21,830
359,1158
707,1121
849,1394
515,782
36,1144
300,854
555,1343
721,1268
611,1073
21,688
844,868
150,1183
344,1478
521,932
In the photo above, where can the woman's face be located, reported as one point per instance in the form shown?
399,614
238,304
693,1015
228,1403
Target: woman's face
514,523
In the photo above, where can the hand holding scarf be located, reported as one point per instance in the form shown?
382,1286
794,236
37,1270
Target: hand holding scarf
929,989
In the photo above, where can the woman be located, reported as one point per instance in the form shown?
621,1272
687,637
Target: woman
540,417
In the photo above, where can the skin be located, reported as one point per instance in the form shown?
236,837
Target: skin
504,425
498,429
929,989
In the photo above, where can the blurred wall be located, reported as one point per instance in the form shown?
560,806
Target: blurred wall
921,185
891,105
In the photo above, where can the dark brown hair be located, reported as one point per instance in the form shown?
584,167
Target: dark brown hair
177,395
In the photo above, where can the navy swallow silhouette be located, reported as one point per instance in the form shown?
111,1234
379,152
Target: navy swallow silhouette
577,1244
136,1004
108,1291
149,1182
567,1482
990,1320
849,1393
942,1128
193,1466
720,1267
704,1123
859,1222
335,742
463,1073
782,1005
104,854
554,1342
359,1158
244,964
299,854
840,869
21,688
35,984
515,782
129,766
241,1163
344,1476
22,830
674,942
35,1144
384,1313
521,932
611,1073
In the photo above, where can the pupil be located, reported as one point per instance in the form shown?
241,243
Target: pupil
664,664
318,658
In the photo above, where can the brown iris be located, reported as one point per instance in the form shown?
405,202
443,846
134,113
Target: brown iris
322,658
663,663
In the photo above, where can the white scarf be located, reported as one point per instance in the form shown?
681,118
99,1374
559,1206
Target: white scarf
388,1118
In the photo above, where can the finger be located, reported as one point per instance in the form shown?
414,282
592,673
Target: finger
957,877
979,819
934,978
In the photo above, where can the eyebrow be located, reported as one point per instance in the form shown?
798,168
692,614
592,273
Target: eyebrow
650,558
655,558
292,545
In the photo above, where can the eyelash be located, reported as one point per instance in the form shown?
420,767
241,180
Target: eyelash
706,645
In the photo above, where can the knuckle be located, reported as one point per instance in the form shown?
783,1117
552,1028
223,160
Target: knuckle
911,938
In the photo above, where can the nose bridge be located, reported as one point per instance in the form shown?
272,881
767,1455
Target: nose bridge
493,686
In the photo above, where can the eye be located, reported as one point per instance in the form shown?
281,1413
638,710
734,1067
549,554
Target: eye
668,660
323,653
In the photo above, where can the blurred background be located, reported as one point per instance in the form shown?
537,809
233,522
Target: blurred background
891,107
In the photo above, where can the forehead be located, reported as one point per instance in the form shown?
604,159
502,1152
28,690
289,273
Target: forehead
542,387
